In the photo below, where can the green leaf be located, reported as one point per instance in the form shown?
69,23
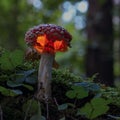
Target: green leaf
37,116
5,61
31,80
82,93
29,72
31,105
16,57
8,92
4,91
100,107
29,87
63,107
9,60
17,92
89,86
99,111
17,84
71,94
96,107
76,87
13,84
98,102
78,92
20,77
86,110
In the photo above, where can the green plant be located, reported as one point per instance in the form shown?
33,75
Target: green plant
32,110
94,108
113,94
9,92
77,92
75,97
9,60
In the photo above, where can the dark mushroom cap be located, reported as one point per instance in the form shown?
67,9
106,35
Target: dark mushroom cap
48,38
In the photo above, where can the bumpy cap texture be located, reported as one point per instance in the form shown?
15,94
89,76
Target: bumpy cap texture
48,38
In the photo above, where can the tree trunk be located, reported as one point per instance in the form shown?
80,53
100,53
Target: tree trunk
99,56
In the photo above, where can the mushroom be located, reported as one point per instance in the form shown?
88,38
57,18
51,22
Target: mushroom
47,39
32,55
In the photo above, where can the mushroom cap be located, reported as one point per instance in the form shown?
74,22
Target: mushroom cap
48,38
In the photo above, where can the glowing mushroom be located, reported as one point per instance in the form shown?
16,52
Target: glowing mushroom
47,39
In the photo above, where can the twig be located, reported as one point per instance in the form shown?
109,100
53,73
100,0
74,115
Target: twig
75,102
1,113
56,102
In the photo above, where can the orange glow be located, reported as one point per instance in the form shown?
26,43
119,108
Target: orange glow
60,45
44,45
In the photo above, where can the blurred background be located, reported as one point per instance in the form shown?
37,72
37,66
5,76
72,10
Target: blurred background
94,25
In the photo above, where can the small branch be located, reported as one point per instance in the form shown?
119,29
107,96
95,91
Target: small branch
56,102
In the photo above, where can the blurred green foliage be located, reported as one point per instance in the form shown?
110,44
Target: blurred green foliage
17,16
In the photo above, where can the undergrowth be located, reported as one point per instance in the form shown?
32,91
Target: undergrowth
73,97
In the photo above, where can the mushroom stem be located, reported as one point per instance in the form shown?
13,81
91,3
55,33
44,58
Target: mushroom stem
44,76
